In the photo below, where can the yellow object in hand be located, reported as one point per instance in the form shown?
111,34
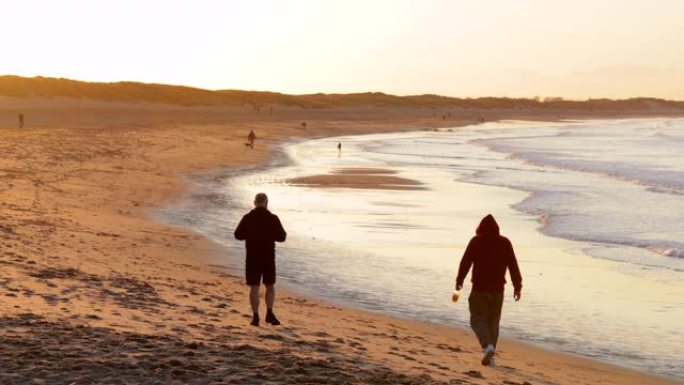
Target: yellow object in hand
455,296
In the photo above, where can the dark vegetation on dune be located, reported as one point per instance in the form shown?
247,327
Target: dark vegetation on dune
16,86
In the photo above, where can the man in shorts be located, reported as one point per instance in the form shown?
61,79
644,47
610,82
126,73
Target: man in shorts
260,229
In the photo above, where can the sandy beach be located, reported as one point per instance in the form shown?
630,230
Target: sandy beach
94,291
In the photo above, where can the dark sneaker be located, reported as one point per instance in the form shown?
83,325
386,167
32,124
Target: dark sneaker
487,355
255,320
271,319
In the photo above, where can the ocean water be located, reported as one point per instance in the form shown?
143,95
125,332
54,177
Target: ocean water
594,210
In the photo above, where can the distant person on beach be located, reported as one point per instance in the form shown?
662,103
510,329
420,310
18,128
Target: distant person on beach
490,254
261,230
21,120
251,138
339,147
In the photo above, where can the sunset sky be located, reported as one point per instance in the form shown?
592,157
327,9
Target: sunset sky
574,49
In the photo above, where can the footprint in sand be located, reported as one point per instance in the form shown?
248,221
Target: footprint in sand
474,374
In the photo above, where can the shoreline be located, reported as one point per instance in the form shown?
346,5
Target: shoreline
92,282
374,178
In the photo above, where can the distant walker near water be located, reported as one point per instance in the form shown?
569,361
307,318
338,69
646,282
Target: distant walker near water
251,137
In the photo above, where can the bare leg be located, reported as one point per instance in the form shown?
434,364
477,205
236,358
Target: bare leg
270,299
254,298
270,296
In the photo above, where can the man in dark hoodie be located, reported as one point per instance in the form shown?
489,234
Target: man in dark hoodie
261,230
490,254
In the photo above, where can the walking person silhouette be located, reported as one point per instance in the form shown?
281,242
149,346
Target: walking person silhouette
490,254
251,138
260,229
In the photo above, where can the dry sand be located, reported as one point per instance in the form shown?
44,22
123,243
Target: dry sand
93,291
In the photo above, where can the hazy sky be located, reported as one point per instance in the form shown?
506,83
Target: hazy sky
570,48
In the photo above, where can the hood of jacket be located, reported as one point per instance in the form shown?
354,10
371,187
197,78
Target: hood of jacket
488,226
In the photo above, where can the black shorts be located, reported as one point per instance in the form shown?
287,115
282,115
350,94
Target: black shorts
260,271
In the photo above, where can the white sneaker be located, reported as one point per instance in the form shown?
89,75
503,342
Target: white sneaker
488,354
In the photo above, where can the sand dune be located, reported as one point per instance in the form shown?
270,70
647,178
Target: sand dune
43,87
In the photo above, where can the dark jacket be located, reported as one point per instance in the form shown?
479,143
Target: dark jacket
261,230
490,254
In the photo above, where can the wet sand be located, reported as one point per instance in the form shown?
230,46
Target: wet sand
93,291
366,178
